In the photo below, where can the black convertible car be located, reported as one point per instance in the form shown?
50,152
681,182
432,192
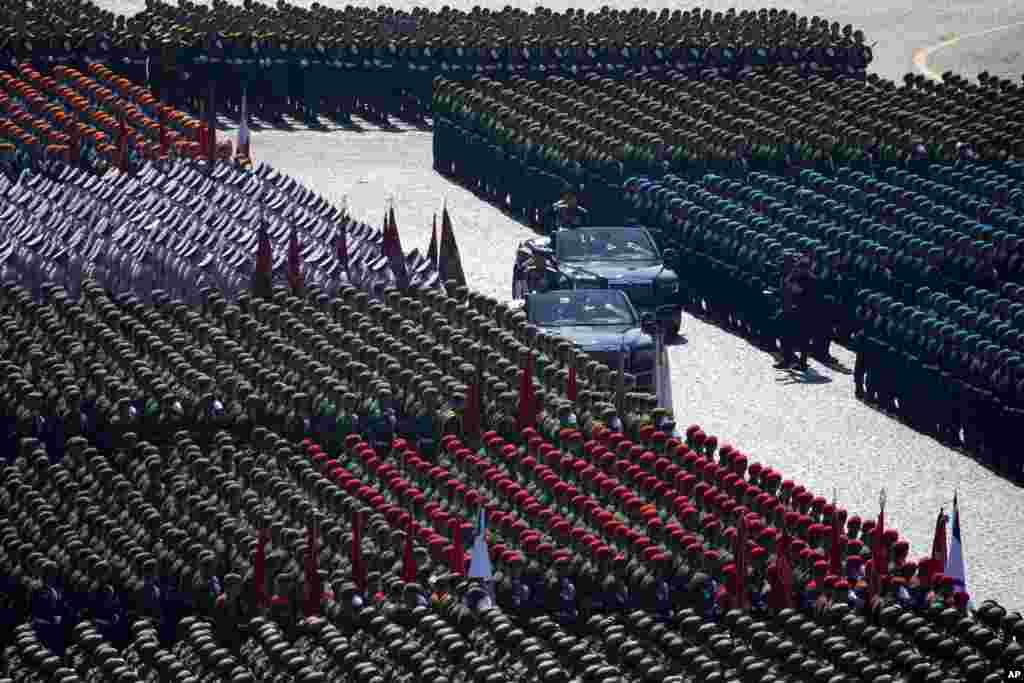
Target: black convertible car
620,258
601,322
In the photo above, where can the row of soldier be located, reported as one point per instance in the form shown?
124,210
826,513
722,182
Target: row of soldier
710,558
527,135
719,241
294,60
454,313
192,243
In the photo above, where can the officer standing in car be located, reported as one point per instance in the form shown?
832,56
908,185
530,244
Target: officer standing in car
565,213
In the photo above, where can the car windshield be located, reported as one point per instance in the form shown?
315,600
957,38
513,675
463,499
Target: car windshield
582,307
606,244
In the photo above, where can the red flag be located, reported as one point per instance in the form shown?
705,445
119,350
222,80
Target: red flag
471,415
739,588
458,558
432,249
313,590
260,569
164,142
835,555
781,594
571,390
940,550
449,263
204,137
879,561
358,570
392,248
295,278
211,122
527,397
122,154
409,570
341,248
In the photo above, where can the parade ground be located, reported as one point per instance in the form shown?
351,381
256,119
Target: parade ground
807,425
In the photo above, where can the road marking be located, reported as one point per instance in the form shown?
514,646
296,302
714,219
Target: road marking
921,55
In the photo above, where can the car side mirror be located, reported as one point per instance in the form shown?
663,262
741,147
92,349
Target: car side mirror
648,324
669,255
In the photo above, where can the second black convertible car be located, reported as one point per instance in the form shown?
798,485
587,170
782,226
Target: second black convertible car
621,258
600,322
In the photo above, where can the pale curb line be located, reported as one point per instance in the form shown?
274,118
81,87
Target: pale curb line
921,55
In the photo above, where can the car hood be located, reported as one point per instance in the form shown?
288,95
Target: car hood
617,273
603,337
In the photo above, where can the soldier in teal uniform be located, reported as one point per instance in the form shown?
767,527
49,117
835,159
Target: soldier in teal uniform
278,53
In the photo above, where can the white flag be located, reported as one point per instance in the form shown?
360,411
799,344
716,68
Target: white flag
955,566
480,559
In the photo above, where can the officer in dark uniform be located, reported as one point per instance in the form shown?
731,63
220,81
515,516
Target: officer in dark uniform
566,213
798,291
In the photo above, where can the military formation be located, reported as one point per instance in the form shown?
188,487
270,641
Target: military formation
198,229
233,438
909,230
316,60
226,459
517,142
931,300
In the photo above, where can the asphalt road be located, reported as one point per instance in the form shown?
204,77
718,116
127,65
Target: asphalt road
809,427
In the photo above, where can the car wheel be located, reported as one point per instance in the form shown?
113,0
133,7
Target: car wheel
674,329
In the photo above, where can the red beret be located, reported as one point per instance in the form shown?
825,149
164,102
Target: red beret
902,547
755,468
788,485
821,566
659,436
692,429
508,450
891,535
818,503
773,476
712,441
853,521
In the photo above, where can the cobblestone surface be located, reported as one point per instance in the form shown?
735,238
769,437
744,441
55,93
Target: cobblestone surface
814,432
